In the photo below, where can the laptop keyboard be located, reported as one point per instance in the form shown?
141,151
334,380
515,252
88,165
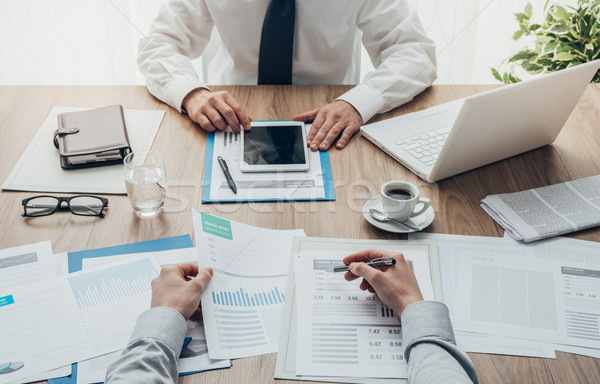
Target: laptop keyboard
425,147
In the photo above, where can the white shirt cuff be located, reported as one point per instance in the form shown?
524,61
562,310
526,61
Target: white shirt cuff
179,87
164,324
365,99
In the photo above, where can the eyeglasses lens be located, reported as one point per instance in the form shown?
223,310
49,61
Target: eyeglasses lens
86,205
41,206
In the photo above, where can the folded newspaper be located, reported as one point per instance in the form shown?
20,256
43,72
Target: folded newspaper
547,211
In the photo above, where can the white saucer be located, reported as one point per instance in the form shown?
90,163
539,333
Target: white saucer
420,222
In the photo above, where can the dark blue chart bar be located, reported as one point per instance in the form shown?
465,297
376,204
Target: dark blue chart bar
241,298
386,311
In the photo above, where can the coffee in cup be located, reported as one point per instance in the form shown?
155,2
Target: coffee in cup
400,200
400,194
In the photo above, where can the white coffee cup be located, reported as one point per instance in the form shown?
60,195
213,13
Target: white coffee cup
400,199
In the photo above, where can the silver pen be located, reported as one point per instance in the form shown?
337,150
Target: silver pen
375,263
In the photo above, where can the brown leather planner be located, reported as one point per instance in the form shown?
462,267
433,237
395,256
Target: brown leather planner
92,138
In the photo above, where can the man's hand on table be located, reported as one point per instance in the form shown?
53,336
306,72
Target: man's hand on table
174,288
215,110
396,286
329,121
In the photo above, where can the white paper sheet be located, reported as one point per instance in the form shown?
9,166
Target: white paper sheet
450,247
548,291
94,370
41,328
39,169
61,263
55,322
242,306
26,263
51,374
263,185
33,262
342,330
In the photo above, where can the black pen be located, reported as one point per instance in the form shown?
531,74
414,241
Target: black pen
376,263
225,169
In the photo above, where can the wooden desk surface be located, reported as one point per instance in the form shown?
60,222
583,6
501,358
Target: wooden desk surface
358,172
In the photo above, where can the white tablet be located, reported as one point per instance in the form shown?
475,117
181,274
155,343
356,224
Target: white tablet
272,146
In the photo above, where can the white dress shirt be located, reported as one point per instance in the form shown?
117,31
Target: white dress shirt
324,43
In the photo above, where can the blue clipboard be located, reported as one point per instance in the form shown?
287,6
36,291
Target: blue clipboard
208,165
75,262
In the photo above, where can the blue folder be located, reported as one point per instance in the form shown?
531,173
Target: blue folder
208,165
75,260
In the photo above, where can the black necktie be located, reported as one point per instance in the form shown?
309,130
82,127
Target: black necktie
277,43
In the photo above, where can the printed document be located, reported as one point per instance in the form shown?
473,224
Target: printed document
26,263
547,211
531,292
450,247
243,303
342,330
59,321
314,184
32,262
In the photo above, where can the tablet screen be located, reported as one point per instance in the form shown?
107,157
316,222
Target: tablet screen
267,145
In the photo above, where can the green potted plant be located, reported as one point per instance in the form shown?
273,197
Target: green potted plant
568,36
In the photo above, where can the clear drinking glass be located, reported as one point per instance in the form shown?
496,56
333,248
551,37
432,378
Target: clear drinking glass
145,180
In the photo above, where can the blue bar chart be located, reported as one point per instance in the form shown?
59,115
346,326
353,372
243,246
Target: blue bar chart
242,298
114,283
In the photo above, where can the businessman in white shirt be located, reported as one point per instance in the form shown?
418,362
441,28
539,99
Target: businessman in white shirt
288,42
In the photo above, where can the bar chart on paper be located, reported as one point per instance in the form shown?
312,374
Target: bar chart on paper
242,306
111,299
245,298
107,285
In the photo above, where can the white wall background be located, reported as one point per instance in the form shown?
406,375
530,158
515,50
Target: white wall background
48,42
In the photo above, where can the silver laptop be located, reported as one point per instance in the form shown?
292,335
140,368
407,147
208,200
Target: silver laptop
464,134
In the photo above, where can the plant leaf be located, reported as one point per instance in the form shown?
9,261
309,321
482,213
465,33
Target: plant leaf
550,47
564,56
531,67
496,74
521,17
518,34
560,29
528,10
561,13
523,55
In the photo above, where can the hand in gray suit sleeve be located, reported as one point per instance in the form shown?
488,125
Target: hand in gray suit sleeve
157,340
152,352
431,350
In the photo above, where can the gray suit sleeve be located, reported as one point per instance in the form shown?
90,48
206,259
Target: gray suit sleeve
431,350
152,352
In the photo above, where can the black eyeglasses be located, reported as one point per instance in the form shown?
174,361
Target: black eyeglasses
82,205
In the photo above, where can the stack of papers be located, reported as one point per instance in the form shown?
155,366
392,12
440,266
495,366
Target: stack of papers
522,298
60,320
333,331
57,318
547,211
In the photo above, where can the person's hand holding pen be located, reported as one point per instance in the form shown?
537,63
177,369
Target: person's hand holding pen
396,285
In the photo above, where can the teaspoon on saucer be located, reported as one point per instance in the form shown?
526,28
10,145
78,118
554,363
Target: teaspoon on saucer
380,216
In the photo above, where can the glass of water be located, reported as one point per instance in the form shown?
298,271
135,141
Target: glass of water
145,180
